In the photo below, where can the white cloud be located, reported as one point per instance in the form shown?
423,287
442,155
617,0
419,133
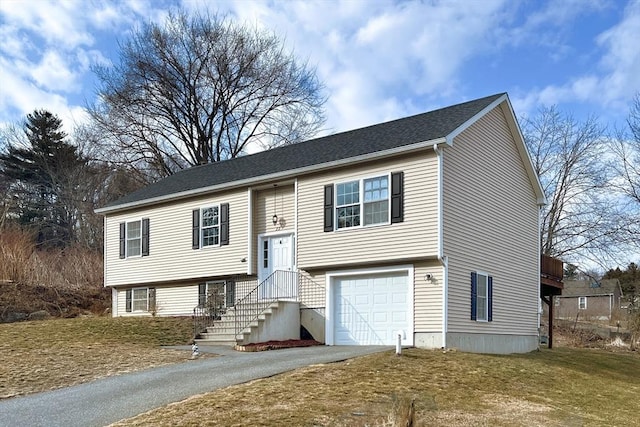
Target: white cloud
53,73
377,57
48,48
617,75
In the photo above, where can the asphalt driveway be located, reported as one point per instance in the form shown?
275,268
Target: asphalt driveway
104,401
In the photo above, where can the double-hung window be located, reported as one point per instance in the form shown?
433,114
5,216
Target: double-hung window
362,202
348,204
481,297
141,299
210,226
376,200
134,238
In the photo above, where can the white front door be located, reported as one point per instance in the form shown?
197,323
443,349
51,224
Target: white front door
276,262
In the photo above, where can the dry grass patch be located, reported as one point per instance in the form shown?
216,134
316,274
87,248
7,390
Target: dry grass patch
43,355
559,387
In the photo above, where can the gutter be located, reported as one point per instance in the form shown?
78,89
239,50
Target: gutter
288,174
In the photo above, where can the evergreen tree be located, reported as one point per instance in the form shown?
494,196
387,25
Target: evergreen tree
43,179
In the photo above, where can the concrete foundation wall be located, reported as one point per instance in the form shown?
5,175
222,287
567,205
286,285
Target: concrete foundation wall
313,320
282,324
428,339
492,344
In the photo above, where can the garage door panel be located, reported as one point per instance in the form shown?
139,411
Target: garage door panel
369,310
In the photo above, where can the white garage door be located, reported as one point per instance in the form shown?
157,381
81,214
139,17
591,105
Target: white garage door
369,310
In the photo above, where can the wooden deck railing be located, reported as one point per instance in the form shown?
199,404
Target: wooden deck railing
551,270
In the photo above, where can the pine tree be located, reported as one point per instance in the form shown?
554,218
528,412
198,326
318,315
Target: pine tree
42,176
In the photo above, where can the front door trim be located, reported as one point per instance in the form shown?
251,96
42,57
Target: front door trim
263,272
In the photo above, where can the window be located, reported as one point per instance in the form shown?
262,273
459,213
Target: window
582,303
140,299
364,202
216,295
265,253
481,297
210,227
348,204
376,200
134,238
369,196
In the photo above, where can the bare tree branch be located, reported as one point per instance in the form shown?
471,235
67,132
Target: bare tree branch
201,89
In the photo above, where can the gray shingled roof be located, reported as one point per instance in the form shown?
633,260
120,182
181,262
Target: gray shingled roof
380,137
574,288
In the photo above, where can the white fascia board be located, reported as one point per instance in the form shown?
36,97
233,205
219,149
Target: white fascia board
291,173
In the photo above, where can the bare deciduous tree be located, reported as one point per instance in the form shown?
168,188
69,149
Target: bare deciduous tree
200,89
580,220
626,147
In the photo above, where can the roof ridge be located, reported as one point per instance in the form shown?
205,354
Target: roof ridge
379,137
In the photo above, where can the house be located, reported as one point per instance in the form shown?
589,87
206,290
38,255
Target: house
423,228
589,299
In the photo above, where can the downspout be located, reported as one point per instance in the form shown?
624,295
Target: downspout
444,261
250,241
551,299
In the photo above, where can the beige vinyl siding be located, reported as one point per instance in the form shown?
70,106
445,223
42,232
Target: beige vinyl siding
490,225
427,298
170,254
416,237
266,202
170,301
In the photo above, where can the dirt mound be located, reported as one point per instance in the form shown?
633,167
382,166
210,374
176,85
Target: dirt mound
23,302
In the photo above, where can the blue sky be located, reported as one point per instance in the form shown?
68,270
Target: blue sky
379,60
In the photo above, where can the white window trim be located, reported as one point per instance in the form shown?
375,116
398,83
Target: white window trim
486,298
126,238
361,201
330,278
133,292
202,245
580,300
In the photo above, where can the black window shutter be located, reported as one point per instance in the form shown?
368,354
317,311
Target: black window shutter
195,239
123,230
152,299
224,224
397,197
145,236
490,298
202,294
128,303
474,295
328,207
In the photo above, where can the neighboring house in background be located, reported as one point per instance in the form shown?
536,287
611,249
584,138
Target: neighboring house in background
589,299
425,226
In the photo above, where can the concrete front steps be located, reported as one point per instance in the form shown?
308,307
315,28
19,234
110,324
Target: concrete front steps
279,322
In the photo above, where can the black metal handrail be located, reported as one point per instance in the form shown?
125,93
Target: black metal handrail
279,285
203,317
